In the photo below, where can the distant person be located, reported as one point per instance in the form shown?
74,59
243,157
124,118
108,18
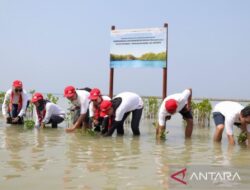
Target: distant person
96,99
117,110
226,114
171,105
80,100
47,112
15,103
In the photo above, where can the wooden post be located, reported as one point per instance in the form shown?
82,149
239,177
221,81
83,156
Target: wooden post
111,76
164,78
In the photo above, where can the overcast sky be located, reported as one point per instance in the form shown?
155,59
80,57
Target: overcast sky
53,43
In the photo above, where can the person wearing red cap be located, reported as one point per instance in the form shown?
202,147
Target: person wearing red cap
15,103
172,104
96,99
47,112
80,100
117,110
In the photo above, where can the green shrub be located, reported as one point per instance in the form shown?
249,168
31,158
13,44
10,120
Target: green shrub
242,137
29,124
52,98
202,112
31,106
2,94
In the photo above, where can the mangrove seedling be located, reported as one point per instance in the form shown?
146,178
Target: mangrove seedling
242,137
152,107
30,108
164,135
2,94
29,124
52,98
88,132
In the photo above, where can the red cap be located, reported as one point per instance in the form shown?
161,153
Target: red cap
104,107
36,97
171,105
69,91
94,94
17,83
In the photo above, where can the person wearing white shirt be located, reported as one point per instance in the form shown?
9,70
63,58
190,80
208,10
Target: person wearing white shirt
47,112
15,103
117,110
172,104
80,100
96,99
226,114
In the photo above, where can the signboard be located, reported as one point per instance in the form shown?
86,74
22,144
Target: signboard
139,48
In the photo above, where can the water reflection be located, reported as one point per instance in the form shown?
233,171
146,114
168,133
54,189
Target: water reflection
14,143
75,161
110,156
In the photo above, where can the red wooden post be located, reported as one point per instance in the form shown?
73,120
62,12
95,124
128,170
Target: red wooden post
111,76
164,78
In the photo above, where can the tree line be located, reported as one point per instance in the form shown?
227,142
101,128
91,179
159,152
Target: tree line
145,57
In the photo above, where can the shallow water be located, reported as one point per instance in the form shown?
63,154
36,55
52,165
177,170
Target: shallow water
53,159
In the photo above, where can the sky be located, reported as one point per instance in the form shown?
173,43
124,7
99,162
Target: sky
50,44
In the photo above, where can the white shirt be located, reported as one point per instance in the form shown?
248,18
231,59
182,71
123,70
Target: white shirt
181,99
231,112
51,109
82,100
6,101
91,106
130,102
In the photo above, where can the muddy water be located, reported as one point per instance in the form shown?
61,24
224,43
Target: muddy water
53,159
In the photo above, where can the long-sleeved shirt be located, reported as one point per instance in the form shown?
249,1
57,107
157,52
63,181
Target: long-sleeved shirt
51,109
6,102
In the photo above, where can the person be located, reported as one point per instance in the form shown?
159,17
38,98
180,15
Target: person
15,103
96,99
117,110
47,112
172,104
80,100
226,114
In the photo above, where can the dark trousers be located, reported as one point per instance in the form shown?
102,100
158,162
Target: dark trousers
136,117
13,114
96,127
55,119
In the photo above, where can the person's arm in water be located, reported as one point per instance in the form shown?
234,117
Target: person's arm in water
231,139
77,124
248,135
248,139
161,128
229,123
189,102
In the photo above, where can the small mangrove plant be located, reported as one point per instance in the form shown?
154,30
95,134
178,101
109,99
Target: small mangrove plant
202,112
28,121
52,98
2,94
